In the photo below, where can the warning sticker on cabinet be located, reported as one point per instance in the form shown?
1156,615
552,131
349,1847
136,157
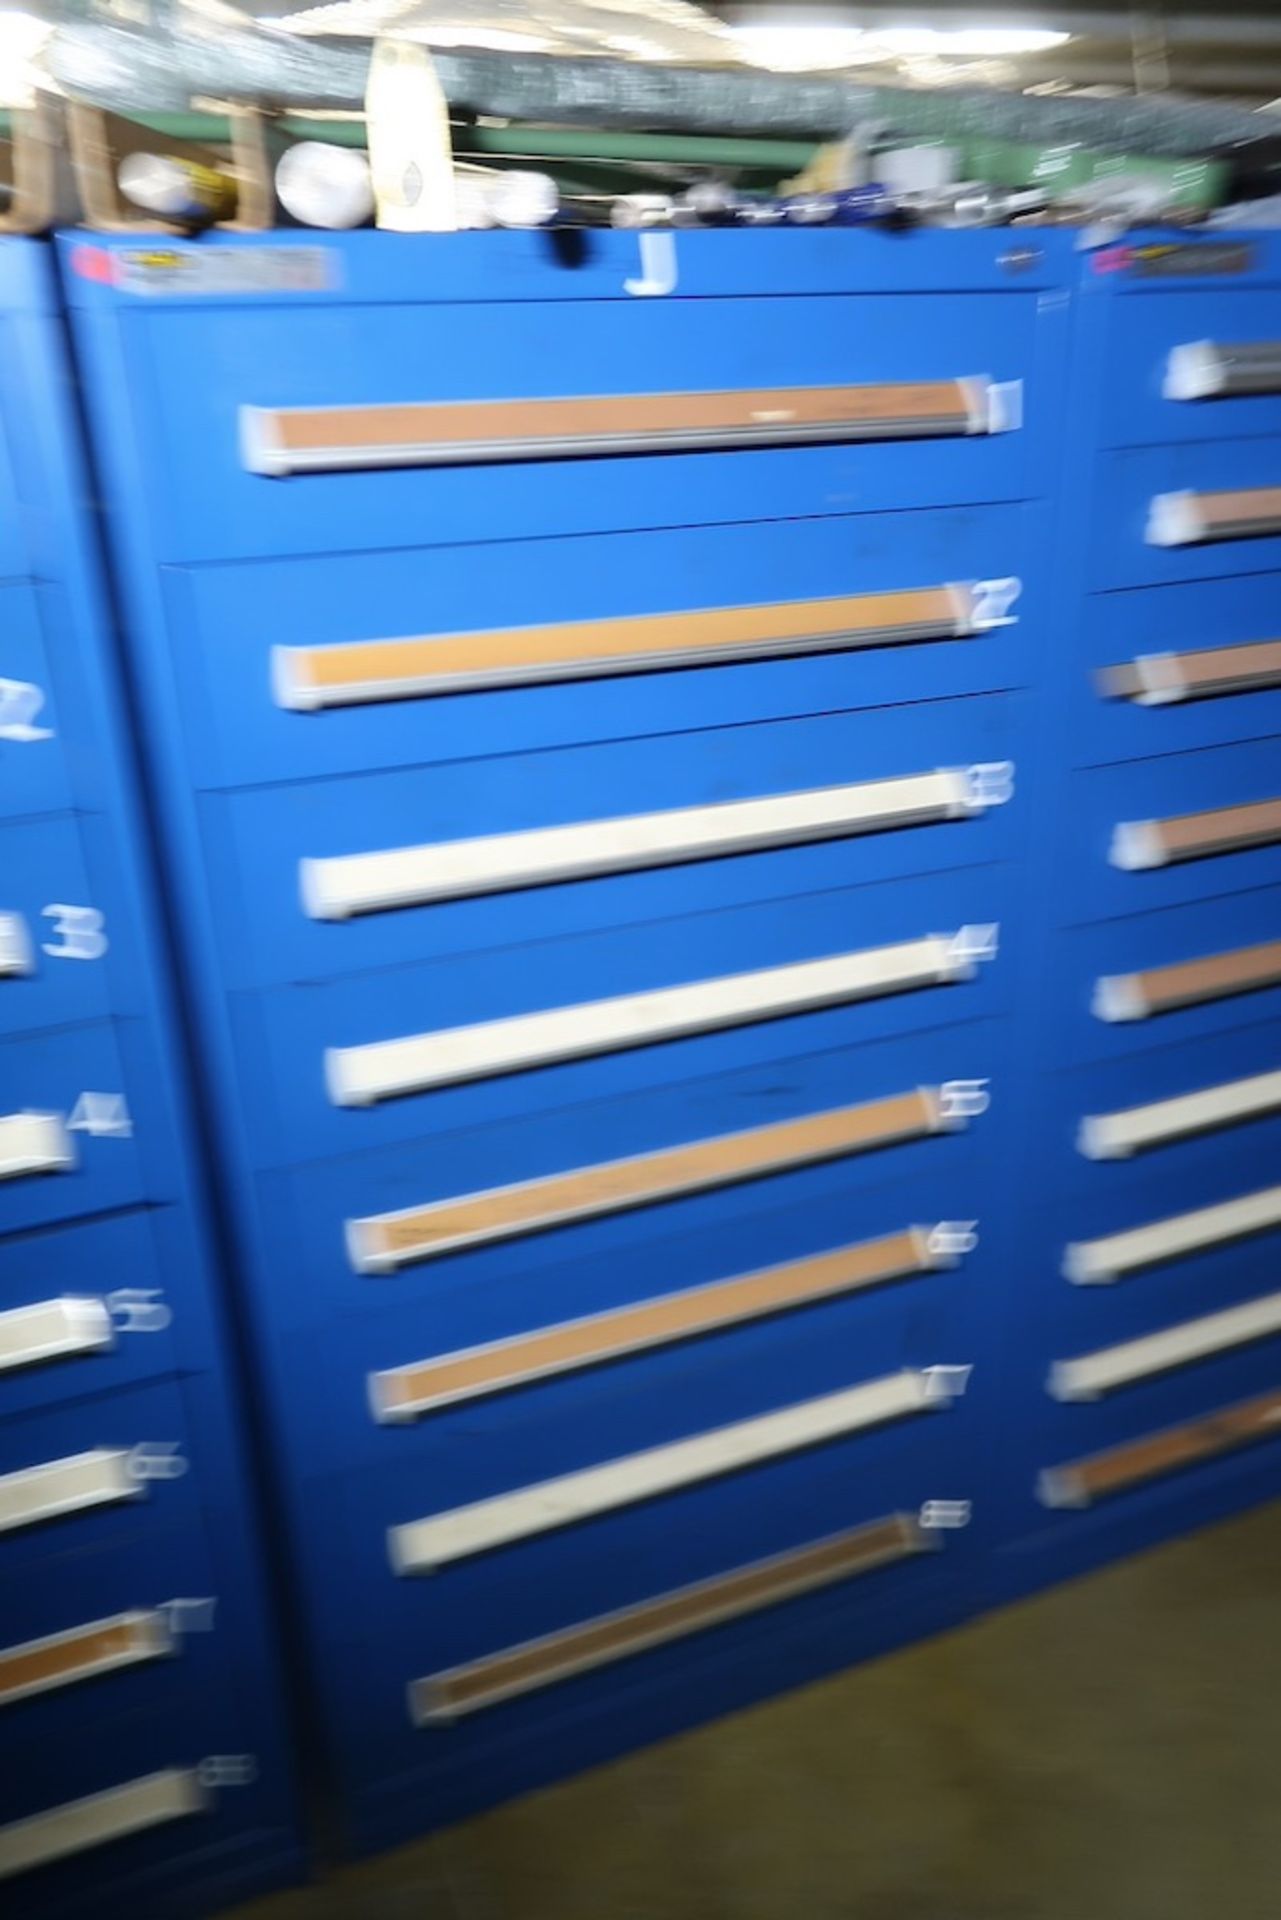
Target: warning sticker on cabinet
210,271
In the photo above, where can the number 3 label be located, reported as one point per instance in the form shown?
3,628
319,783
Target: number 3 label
81,932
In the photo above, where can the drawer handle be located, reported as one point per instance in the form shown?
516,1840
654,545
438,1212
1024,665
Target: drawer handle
1089,1262
352,673
60,1659
278,441
423,1545
98,1478
33,1143
1215,369
1187,519
1190,983
447,1696
16,955
53,1330
1094,1374
1138,845
1163,679
386,1069
386,1242
407,1393
1079,1483
1115,1136
352,884
133,1808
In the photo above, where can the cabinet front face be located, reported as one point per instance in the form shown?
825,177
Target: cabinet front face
592,734
1142,1353
140,1748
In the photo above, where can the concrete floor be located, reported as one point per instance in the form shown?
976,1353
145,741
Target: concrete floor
1108,1751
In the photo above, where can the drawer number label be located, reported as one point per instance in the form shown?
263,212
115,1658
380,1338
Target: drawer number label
189,1616
945,1513
964,1099
157,1460
992,601
976,943
954,1236
104,1116
228,1769
21,704
81,932
139,1310
990,783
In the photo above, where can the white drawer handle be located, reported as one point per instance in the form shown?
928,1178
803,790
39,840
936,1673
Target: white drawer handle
423,1545
97,1478
1141,844
1187,519
385,1242
1166,679
407,1393
53,1330
1188,983
279,441
81,1653
309,679
16,953
1098,1373
1099,1476
133,1808
1115,1136
32,1143
350,884
444,1697
360,1076
1087,1262
1214,369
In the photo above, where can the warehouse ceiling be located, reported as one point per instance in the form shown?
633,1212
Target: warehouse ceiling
1227,50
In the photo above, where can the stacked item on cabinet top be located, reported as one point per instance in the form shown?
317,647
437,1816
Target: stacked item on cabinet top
140,1752
1144,1365
584,712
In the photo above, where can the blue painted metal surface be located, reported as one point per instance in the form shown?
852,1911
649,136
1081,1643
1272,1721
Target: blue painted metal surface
89,1034
219,566
1103,761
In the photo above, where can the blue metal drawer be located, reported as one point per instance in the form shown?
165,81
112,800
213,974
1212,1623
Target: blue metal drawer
1202,1240
1163,379
84,1309
157,1611
1192,512
563,1171
1154,833
924,1252
300,1049
66,1127
911,789
82,1475
1110,996
237,633
52,938
201,444
395,1775
504,1589
1126,641
33,767
13,555
1166,1110
187,1802
1058,1540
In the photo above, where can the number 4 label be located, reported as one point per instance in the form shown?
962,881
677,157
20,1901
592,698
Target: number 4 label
102,1115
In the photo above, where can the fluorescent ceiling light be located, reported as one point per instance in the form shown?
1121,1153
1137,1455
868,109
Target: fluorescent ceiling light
810,45
978,42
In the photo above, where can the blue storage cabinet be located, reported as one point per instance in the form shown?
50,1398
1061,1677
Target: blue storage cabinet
587,713
141,1755
1142,1345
